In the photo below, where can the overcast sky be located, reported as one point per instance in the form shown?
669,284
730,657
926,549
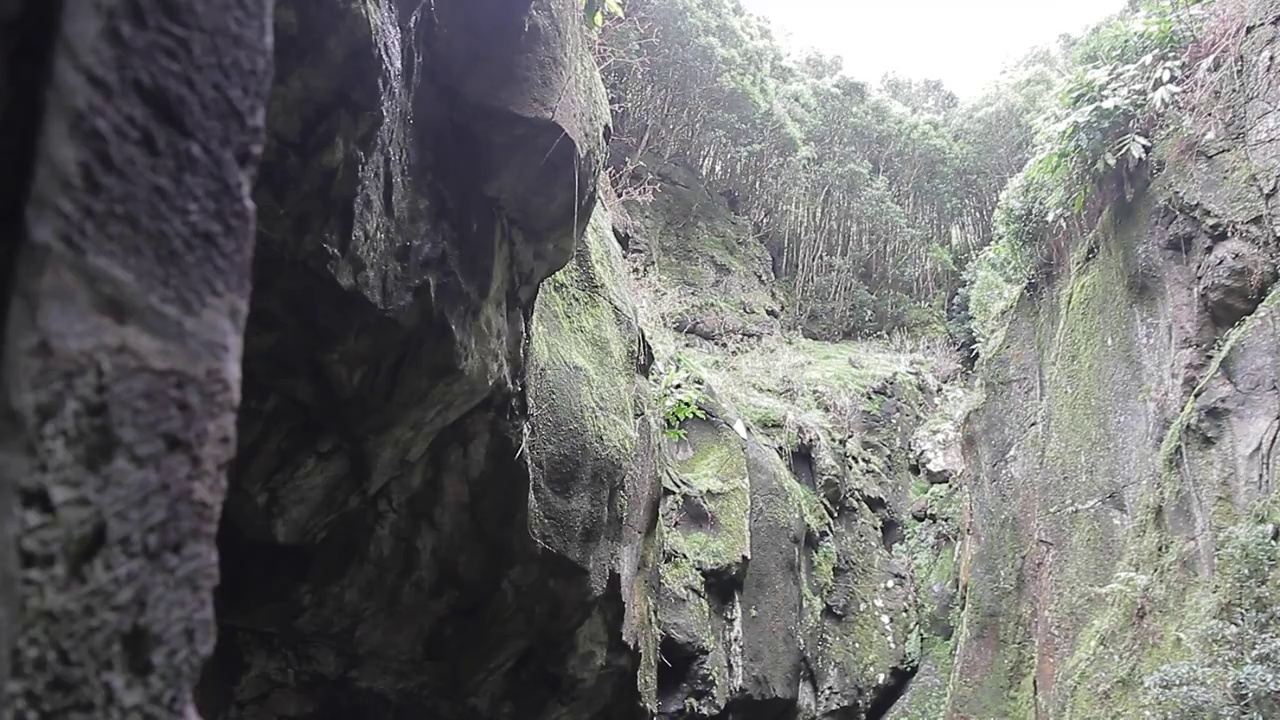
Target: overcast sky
964,44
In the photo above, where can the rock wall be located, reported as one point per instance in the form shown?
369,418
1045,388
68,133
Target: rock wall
130,135
443,499
452,489
808,519
1122,554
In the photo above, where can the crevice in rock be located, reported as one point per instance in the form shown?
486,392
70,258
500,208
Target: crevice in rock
723,587
891,531
888,695
675,673
26,50
801,462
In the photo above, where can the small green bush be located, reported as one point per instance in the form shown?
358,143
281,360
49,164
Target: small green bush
1094,143
995,280
679,397
1233,670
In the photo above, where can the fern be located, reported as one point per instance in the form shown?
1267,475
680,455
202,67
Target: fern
680,399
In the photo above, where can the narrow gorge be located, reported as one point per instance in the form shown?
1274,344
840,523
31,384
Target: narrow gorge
401,359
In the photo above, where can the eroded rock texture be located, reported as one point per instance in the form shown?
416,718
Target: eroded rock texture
131,131
442,504
1125,484
807,563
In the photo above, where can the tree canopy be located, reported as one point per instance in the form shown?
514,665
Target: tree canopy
871,198
879,202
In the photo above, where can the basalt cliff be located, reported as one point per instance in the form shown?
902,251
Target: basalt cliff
339,383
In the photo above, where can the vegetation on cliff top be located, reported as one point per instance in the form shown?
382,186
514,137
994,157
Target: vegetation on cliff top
1131,92
880,203
871,199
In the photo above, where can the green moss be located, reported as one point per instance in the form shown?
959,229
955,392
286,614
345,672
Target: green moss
679,574
715,474
824,566
1155,617
582,362
816,516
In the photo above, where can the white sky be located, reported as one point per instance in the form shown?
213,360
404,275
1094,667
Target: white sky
964,44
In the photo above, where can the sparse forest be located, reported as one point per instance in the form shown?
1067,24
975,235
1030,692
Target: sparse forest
877,201
873,199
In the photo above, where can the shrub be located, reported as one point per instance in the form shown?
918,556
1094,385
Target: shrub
1122,79
1234,670
679,396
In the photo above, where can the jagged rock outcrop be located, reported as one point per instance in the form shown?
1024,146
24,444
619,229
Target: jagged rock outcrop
130,134
791,561
443,499
711,277
1121,560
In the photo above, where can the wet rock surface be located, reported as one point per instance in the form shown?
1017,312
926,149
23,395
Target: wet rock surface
1123,447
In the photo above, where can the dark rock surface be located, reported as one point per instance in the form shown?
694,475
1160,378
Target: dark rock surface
434,512
131,133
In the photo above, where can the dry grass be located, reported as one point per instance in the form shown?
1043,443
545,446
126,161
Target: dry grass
792,382
938,354
1216,73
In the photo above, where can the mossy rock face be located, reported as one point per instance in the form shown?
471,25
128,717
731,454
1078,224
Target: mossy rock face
706,527
813,600
933,542
592,436
1120,494
710,273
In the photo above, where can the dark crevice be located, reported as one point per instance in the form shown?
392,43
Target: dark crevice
762,709
26,52
801,462
887,696
675,665
722,587
137,646
891,532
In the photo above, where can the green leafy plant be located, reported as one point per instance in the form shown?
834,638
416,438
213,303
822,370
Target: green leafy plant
595,11
1129,72
1232,663
1118,89
680,398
